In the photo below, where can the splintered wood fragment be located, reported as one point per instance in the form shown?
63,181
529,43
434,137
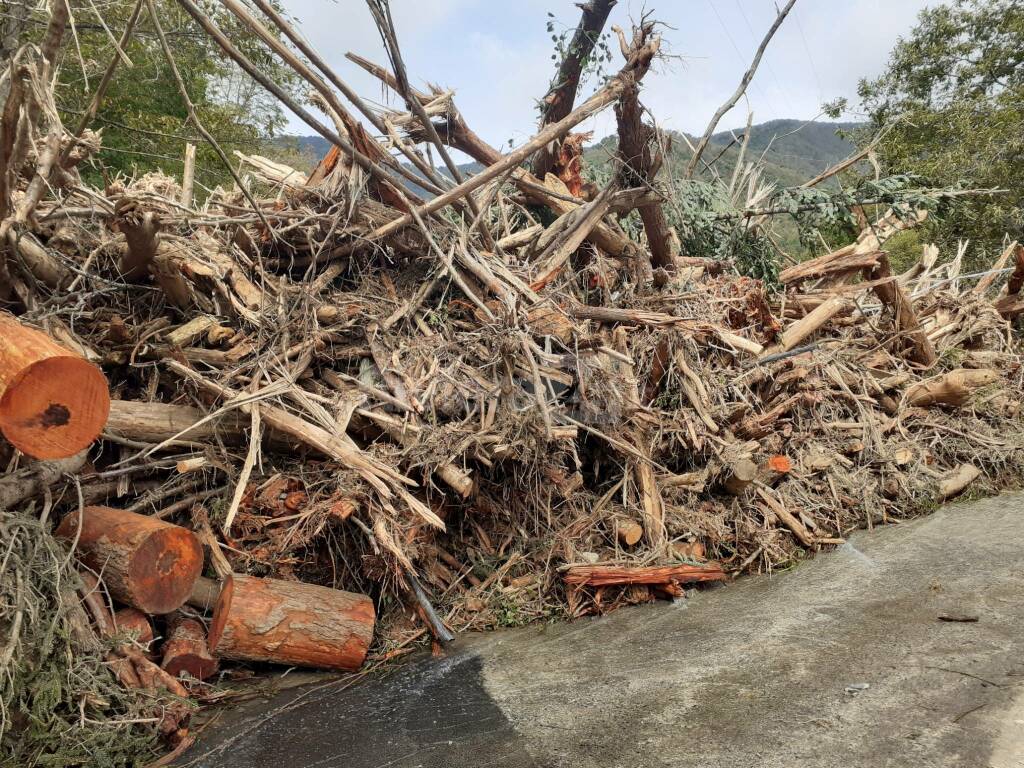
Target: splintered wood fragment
146,563
953,389
185,649
956,482
287,622
809,324
608,575
53,402
788,518
990,277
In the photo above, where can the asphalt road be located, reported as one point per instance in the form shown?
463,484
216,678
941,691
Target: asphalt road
844,661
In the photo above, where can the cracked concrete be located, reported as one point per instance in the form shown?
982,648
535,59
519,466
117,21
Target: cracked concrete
751,674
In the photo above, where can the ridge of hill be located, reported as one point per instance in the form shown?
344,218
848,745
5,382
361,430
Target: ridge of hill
792,150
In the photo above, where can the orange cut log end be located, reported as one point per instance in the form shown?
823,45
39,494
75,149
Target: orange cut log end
52,402
780,464
147,563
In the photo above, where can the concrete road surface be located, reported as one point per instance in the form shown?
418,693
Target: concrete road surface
844,661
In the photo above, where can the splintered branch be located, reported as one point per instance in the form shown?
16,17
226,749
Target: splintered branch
740,90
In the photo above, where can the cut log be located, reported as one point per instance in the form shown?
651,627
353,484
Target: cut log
629,532
608,575
157,422
775,469
738,476
135,624
186,649
146,563
954,388
53,403
285,622
956,482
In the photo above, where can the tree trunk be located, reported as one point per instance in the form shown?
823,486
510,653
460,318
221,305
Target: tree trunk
562,95
146,563
186,649
639,168
291,623
53,403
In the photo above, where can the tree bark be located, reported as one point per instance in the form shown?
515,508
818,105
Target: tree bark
639,167
53,403
146,563
561,95
291,623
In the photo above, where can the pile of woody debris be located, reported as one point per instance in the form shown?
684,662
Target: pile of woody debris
317,417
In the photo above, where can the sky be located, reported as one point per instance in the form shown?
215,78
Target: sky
496,55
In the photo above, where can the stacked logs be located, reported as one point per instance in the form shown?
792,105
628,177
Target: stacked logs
151,569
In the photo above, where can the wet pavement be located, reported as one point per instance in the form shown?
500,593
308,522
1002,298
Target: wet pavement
843,661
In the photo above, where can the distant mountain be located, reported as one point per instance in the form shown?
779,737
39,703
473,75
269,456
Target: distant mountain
792,150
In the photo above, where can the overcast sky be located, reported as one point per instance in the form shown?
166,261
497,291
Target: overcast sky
497,55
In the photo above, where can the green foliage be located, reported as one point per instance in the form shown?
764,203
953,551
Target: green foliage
61,705
955,90
709,225
563,38
143,117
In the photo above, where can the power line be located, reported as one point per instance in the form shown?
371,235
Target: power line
740,55
807,50
767,62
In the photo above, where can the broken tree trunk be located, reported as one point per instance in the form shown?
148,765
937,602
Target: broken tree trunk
562,94
146,563
954,388
53,403
285,622
891,294
186,649
641,159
